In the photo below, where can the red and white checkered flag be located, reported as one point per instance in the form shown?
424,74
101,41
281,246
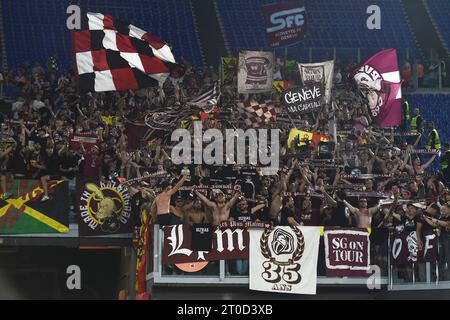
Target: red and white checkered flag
111,55
256,115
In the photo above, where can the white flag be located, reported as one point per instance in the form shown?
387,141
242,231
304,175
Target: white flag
322,72
284,259
255,74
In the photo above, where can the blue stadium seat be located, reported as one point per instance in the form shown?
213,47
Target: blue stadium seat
331,24
433,107
36,29
440,11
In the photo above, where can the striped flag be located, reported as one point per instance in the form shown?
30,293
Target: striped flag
256,115
207,100
111,55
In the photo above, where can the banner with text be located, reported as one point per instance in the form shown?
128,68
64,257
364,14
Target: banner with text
227,244
405,249
318,73
285,23
284,259
347,252
303,100
104,208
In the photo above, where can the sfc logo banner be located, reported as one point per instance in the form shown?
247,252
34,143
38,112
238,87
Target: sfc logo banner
285,23
284,259
104,209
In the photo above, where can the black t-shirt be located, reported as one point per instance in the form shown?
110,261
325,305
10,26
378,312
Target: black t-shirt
17,163
409,225
425,225
310,218
242,217
201,237
339,216
69,162
110,171
136,201
51,163
45,114
286,213
443,230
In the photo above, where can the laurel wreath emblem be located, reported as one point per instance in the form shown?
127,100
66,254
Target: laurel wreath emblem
297,254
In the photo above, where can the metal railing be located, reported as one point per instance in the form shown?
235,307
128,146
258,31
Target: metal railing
426,276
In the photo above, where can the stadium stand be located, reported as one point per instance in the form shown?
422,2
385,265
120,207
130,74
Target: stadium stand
33,36
431,105
330,25
440,11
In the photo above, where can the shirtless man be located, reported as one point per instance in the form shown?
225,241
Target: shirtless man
362,214
219,208
178,211
162,201
196,214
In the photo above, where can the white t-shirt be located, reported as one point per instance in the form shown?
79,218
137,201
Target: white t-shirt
37,104
17,106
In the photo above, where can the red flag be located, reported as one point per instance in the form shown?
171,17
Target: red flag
380,76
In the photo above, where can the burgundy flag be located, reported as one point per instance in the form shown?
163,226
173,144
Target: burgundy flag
379,76
227,244
347,252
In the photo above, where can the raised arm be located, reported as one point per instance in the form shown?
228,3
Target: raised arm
233,200
430,161
352,209
285,179
328,197
258,207
417,140
178,185
204,199
372,211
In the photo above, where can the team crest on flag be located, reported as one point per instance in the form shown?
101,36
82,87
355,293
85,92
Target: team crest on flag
111,55
379,80
255,71
284,259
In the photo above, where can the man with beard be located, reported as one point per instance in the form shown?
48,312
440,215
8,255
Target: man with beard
162,201
220,208
196,214
309,216
178,211
287,213
242,214
92,163
339,216
362,214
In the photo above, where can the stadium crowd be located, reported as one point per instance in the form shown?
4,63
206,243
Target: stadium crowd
368,177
